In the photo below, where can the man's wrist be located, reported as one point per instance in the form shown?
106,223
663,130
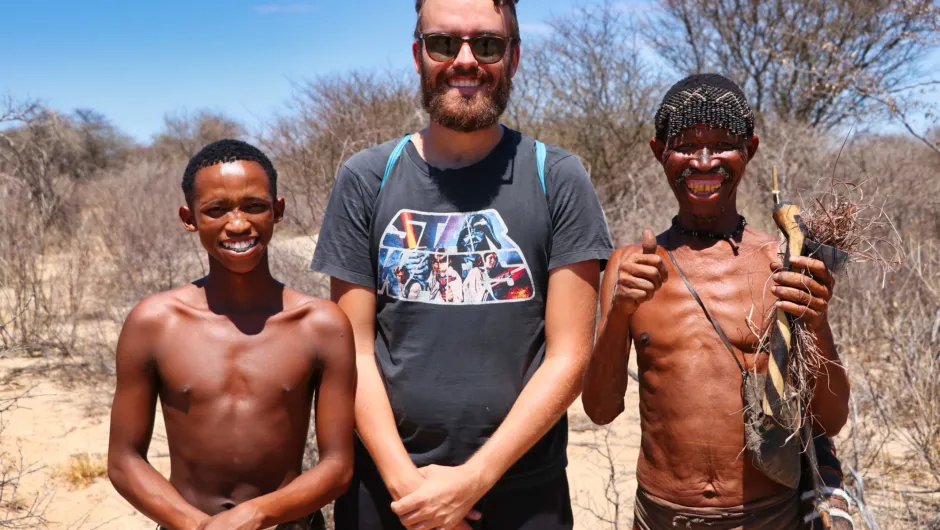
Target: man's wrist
193,522
261,511
481,474
403,481
621,312
820,328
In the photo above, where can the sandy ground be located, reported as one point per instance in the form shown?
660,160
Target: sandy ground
55,422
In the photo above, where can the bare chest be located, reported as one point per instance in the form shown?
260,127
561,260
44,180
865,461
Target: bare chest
208,360
673,327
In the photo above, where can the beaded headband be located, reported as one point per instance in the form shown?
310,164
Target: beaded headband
704,99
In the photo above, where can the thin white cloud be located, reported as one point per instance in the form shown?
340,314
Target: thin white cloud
268,9
636,6
539,29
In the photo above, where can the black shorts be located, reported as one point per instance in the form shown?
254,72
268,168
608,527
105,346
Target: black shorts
366,505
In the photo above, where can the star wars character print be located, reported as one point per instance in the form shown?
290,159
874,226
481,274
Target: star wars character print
452,258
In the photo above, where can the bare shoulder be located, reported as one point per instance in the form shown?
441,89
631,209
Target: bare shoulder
317,316
158,311
764,244
149,320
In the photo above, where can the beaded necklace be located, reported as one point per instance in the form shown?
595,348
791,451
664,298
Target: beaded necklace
729,237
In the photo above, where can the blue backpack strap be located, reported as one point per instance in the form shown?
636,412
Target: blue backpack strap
540,163
396,153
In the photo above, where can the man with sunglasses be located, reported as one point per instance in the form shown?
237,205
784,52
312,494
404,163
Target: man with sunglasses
460,406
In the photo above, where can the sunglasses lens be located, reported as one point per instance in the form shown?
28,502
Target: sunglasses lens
442,47
488,50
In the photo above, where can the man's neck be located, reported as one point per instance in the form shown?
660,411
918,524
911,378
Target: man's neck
231,293
449,149
726,222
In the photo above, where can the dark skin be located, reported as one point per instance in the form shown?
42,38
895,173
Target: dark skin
236,359
690,399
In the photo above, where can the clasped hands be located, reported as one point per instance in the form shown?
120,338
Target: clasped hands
443,501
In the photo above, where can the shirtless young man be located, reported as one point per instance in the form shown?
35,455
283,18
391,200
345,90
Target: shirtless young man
236,359
693,470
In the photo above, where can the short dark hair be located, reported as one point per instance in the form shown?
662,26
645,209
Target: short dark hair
226,150
704,99
508,4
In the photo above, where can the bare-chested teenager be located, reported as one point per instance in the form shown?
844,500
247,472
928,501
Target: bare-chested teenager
692,470
236,359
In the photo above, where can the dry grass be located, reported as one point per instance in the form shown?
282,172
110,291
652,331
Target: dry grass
84,469
79,249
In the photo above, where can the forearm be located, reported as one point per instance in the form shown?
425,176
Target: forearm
307,493
830,403
605,381
151,494
375,423
547,396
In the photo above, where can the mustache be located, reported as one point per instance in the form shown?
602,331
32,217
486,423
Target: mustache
687,172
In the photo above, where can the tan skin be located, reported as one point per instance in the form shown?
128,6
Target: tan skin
439,497
235,359
690,399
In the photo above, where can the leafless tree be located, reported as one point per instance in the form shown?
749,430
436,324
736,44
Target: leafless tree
811,61
41,294
330,119
586,87
15,511
185,133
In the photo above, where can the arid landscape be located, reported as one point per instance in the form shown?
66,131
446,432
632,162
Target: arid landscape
89,227
58,433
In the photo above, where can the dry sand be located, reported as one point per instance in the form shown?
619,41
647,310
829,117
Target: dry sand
58,421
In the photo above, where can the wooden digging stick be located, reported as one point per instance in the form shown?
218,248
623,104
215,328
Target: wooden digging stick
787,218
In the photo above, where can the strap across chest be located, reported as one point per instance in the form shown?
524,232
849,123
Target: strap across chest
715,324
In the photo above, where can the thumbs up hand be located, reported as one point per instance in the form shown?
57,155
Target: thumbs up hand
639,276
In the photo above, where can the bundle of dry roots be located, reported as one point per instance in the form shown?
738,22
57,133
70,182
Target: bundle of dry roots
843,218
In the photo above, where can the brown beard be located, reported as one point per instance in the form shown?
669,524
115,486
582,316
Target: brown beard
465,115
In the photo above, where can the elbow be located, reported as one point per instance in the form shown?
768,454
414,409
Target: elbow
833,422
341,474
344,479
116,472
832,418
121,463
601,411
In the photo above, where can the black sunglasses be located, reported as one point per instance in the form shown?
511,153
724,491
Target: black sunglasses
487,49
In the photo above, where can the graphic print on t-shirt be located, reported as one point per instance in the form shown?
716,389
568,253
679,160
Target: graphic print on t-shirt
452,258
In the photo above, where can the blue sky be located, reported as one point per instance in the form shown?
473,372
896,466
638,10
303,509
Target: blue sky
135,61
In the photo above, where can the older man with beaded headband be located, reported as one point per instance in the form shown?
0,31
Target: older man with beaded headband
688,301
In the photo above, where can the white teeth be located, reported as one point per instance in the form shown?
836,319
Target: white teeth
464,83
239,246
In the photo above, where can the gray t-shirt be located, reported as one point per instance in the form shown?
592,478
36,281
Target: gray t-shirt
460,261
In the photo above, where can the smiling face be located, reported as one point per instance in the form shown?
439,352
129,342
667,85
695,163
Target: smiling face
234,213
704,166
464,94
490,260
